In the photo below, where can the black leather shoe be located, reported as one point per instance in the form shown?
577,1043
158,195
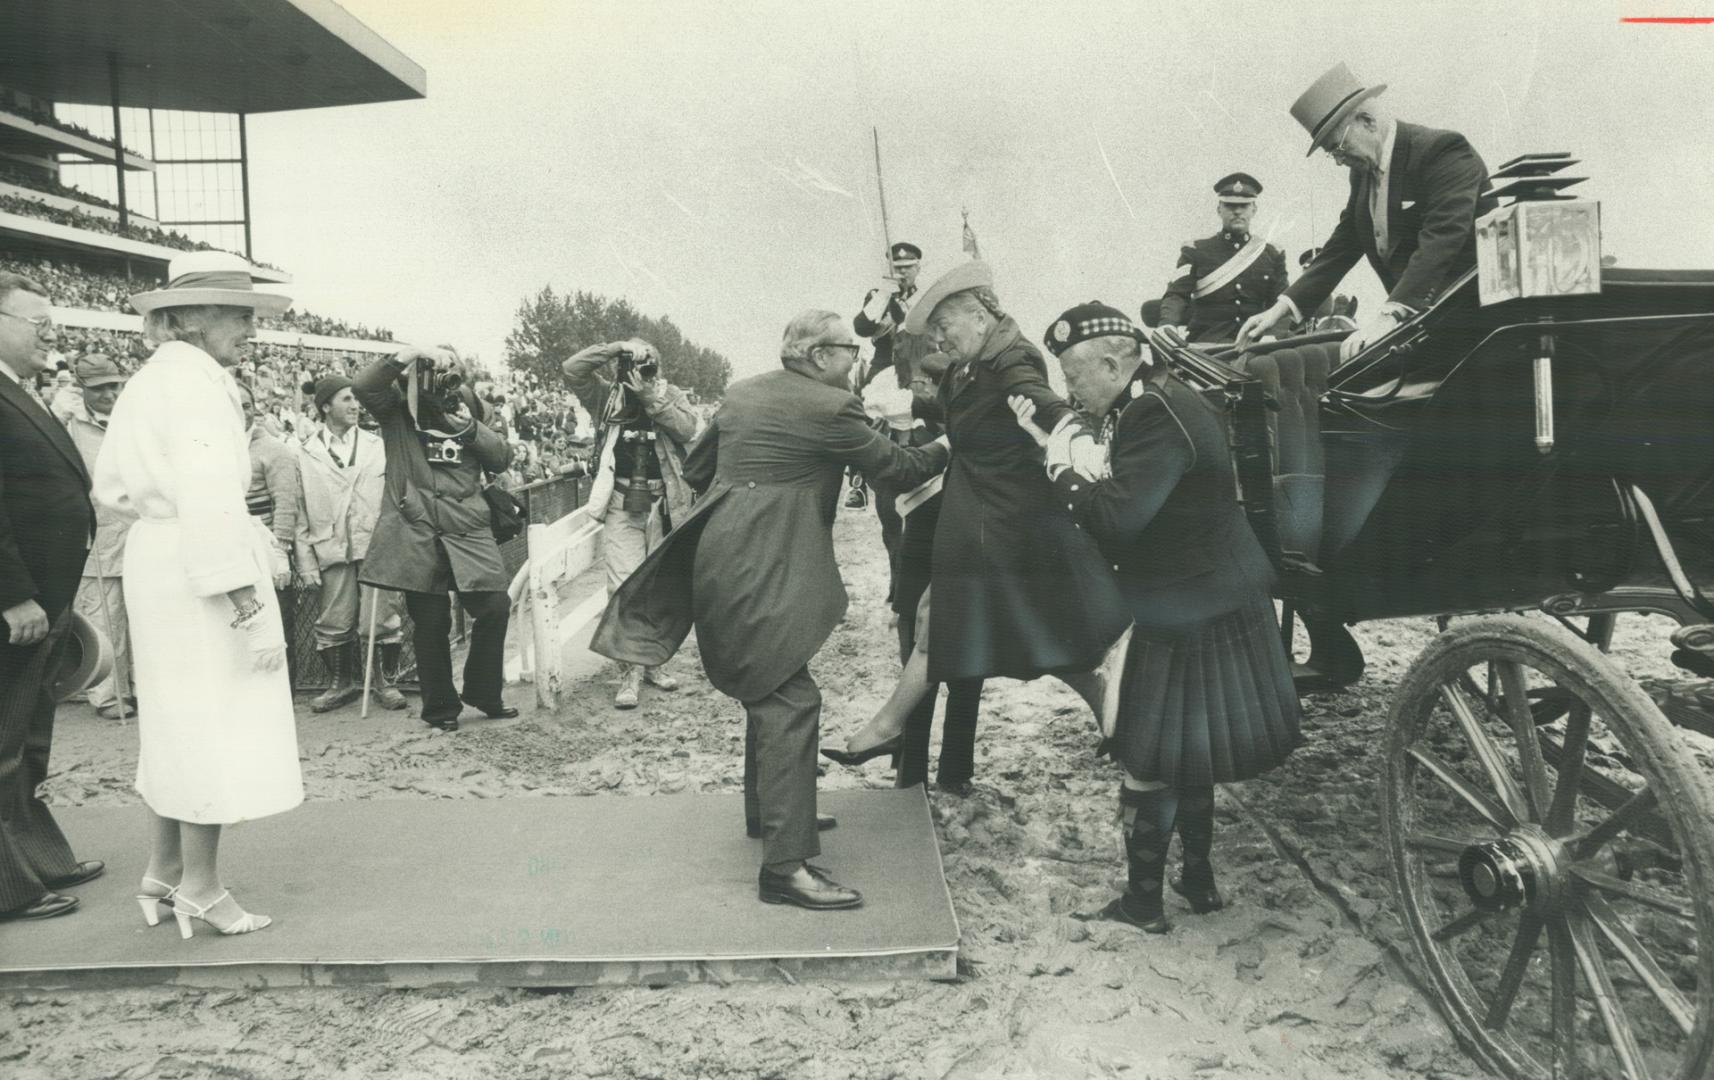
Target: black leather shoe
86,871
807,887
823,822
49,905
1118,911
1202,900
449,723
842,757
500,711
963,789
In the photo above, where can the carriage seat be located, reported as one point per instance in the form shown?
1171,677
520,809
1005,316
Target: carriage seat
1296,378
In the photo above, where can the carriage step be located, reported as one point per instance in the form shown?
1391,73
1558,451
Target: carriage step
1688,704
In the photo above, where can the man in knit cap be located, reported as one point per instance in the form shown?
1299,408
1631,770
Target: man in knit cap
343,470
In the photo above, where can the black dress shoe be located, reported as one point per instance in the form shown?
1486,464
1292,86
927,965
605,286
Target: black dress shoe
46,907
823,822
843,757
499,711
807,887
961,788
1117,910
1202,900
88,870
448,723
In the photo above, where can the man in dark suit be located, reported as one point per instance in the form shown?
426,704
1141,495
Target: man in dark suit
1223,279
753,569
1416,193
46,524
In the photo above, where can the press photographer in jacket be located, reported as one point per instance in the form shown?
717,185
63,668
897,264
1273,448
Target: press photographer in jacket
433,534
643,426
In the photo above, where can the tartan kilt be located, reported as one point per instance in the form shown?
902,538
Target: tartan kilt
1210,705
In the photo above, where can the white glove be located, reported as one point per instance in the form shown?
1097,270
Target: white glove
265,638
875,307
1072,447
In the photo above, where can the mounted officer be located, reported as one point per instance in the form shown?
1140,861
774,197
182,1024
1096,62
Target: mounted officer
1224,279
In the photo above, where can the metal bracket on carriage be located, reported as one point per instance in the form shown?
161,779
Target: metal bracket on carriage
1694,649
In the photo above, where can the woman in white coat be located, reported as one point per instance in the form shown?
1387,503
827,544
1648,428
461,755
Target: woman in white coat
218,741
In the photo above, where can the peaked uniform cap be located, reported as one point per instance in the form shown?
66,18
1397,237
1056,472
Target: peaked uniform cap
1330,99
210,277
902,252
1238,187
974,274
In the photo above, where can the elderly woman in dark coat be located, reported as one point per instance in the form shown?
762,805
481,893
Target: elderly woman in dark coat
1018,591
433,535
1206,696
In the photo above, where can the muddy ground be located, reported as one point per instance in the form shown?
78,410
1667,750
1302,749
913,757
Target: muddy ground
1300,977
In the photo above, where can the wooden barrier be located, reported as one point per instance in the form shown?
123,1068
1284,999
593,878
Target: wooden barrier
559,552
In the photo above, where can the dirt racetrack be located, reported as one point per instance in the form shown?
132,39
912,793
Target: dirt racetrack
1300,977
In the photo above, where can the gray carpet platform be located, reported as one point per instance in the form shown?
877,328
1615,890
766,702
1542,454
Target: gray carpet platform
510,892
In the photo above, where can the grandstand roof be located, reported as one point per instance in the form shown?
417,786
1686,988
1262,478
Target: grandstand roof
233,56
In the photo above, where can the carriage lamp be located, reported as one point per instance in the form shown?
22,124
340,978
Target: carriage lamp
1543,243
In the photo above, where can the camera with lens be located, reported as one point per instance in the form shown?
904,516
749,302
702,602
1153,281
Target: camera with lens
442,386
644,364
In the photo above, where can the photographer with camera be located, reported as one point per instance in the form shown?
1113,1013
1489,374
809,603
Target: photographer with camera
433,535
643,425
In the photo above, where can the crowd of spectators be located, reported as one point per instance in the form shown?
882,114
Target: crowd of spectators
75,286
547,428
44,115
38,181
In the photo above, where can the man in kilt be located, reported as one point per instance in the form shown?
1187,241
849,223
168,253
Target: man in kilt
1206,696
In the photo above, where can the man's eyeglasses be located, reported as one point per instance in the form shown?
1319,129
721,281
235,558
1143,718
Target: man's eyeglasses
42,323
855,349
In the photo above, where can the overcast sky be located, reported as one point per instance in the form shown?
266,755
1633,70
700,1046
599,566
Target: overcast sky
712,161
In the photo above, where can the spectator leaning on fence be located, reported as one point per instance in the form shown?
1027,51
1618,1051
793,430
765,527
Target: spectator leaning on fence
640,492
344,472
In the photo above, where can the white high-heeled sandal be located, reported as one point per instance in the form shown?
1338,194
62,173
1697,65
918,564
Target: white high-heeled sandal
152,903
246,924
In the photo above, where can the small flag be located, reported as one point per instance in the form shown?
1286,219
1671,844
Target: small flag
970,238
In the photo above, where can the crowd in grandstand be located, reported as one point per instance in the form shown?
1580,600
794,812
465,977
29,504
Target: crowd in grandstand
37,180
43,114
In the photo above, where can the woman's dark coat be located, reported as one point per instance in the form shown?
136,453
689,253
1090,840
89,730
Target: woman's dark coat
1019,590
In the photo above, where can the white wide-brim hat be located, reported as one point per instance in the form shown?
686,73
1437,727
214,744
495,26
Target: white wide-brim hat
210,277
974,274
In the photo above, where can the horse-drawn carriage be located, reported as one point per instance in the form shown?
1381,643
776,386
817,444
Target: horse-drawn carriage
1524,472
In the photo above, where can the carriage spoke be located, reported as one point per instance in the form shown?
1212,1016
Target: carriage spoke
1463,923
1563,959
1607,1003
1641,960
1560,815
1422,841
1622,818
1495,814
1647,895
1512,977
1487,753
1549,704
1537,788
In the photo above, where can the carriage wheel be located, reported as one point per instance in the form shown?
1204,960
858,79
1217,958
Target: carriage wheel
1555,866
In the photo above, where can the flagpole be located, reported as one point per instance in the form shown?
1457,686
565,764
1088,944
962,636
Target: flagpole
881,186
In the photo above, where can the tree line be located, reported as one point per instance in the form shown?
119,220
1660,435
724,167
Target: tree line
552,327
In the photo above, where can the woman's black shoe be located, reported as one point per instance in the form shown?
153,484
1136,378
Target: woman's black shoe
844,757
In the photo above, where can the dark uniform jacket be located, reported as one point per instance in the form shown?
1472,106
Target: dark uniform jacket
1168,517
893,347
424,503
46,519
1018,590
1217,316
753,566
1434,196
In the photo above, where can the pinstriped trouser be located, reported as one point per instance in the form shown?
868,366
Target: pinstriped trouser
32,847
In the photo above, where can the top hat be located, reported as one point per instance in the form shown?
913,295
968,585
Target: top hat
210,277
1323,108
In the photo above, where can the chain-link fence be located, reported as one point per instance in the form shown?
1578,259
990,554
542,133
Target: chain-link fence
544,501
